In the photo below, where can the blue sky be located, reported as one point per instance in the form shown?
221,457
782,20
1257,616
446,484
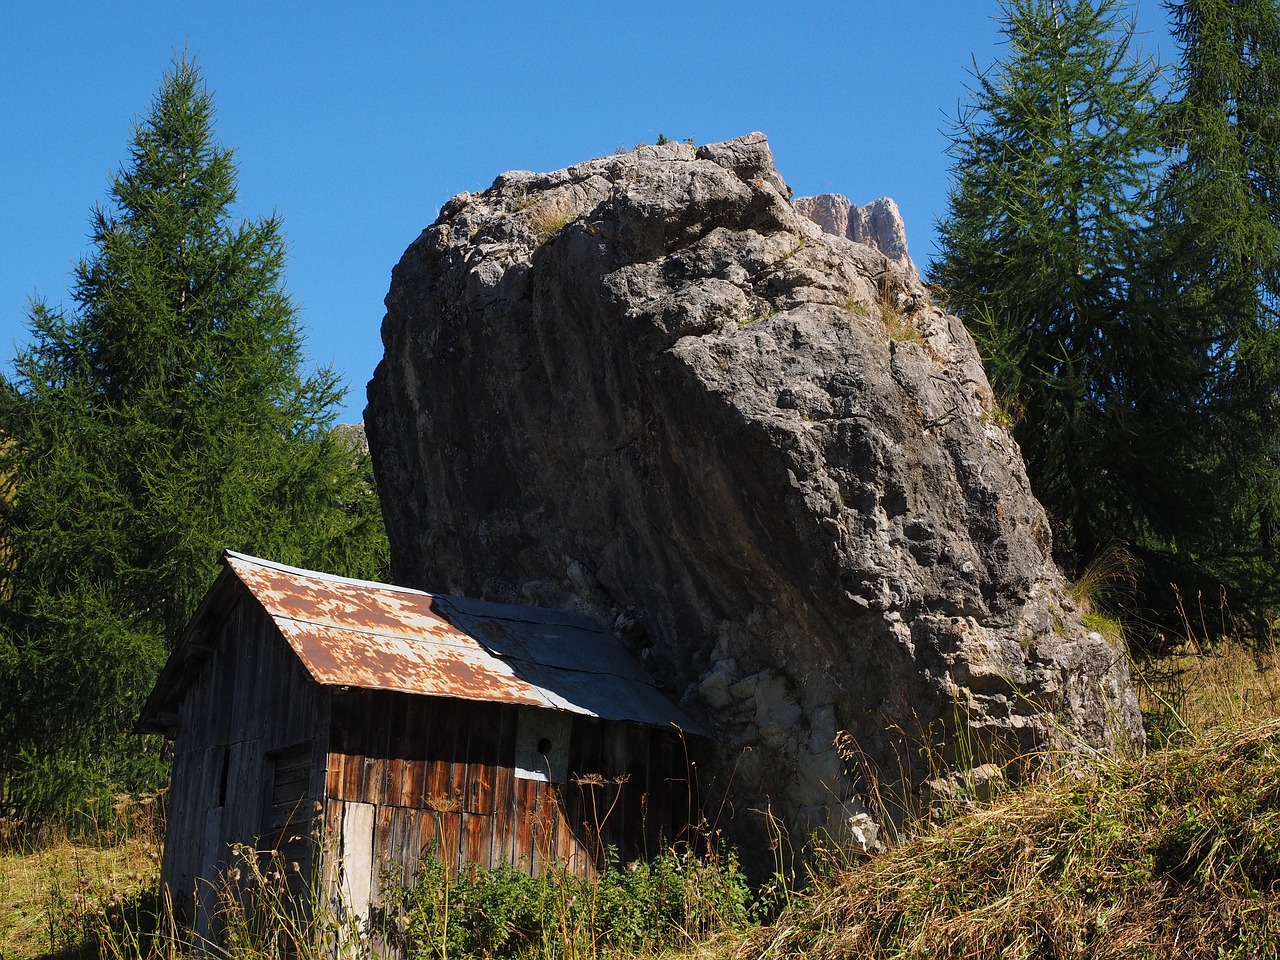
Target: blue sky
357,122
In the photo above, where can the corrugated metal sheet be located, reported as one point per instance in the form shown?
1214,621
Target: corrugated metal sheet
382,637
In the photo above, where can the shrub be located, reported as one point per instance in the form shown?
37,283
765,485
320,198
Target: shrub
643,907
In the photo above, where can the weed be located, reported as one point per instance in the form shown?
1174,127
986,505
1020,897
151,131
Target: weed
548,216
856,306
1006,414
792,252
898,324
267,910
899,328
1199,688
63,890
1174,855
676,900
1104,586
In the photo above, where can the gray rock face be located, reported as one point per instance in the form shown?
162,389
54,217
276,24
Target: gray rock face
647,388
878,224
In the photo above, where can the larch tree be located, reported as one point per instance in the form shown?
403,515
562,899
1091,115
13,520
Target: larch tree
167,416
1216,270
1054,155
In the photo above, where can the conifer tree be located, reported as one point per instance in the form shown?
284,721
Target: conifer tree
1053,157
1216,263
166,417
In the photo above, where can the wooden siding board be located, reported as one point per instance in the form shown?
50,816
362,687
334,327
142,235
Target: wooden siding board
476,836
374,787
459,785
544,837
417,727
397,705
248,698
523,817
413,785
623,833
441,753
394,782
240,715
373,781
320,751
357,860
501,849
504,817
383,849
439,776
334,766
353,777
428,840
292,776
330,848
448,834
287,826
479,789
483,752
566,847
393,866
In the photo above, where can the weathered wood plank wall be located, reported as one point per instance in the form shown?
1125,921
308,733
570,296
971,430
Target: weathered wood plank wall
250,706
438,777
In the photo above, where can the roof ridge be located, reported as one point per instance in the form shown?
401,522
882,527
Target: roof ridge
229,554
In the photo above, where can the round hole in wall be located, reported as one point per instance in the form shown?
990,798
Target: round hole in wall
544,746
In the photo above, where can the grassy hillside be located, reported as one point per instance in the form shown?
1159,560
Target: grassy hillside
1174,856
1169,856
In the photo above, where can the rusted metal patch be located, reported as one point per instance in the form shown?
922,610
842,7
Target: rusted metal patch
343,657
377,636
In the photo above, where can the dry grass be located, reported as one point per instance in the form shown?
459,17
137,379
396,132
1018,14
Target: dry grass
548,216
1103,586
54,895
1173,856
899,326
1200,688
855,305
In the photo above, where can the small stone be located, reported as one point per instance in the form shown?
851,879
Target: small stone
863,833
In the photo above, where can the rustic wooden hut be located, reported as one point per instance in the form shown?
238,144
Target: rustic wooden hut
356,727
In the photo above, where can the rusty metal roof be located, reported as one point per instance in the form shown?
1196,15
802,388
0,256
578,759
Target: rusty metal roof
377,636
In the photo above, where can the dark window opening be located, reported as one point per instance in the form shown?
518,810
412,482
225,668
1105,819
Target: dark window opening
225,776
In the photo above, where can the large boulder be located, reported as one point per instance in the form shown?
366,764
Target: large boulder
646,387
